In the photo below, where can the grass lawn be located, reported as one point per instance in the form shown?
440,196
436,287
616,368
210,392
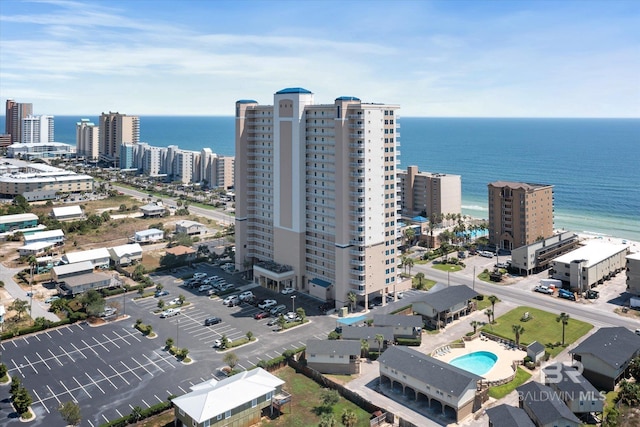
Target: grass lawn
426,283
485,303
447,267
542,327
305,402
498,392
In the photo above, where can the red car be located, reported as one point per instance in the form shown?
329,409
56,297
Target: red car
261,315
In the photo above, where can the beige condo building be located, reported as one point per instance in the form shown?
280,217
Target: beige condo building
115,129
519,213
316,195
428,194
87,140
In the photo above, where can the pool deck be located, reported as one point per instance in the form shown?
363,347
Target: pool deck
506,356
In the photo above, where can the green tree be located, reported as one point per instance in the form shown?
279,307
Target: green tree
224,341
493,299
138,273
136,415
22,400
474,324
168,343
517,330
564,319
92,302
349,418
160,304
19,306
230,359
105,216
329,398
3,372
420,277
301,313
70,412
629,393
351,296
489,313
16,383
409,263
634,369
159,287
379,338
327,420
249,335
281,321
182,299
364,347
409,234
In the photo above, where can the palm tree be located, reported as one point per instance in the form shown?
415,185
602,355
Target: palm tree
420,276
493,300
518,330
364,347
352,300
489,313
564,318
379,339
409,262
474,324
349,418
409,234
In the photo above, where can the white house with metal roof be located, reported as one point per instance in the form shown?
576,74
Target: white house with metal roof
148,236
236,401
37,248
99,257
17,222
67,213
126,254
192,228
51,236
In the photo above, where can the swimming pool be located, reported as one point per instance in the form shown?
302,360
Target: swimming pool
478,362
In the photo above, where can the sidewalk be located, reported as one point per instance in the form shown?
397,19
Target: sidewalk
6,275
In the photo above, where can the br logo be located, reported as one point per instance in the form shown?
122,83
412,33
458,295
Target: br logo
557,372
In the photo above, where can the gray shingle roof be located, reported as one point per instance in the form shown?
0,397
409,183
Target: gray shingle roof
337,347
508,416
570,381
397,320
429,370
446,298
544,403
614,346
368,333
536,347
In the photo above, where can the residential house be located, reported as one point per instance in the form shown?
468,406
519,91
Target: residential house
191,228
446,304
430,382
68,213
334,356
35,249
369,333
74,279
606,356
237,401
99,257
151,235
182,253
17,222
544,406
53,236
508,416
403,326
574,389
153,210
126,254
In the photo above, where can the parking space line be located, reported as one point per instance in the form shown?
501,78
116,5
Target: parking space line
47,334
65,387
95,383
99,343
108,379
90,347
25,340
43,361
66,354
131,335
105,418
156,396
183,390
79,351
79,326
119,413
55,357
121,337
148,406
37,337
82,387
89,421
111,341
55,396
58,331
41,402
142,366
118,373
17,367
31,365
152,362
131,370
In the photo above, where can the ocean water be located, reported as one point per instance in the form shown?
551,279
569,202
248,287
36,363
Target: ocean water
593,164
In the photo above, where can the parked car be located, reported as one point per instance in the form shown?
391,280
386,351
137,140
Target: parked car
261,315
226,287
170,312
161,293
486,254
231,300
246,295
211,292
204,288
279,309
543,289
200,275
272,322
51,299
269,303
175,301
287,291
212,321
502,265
217,344
563,293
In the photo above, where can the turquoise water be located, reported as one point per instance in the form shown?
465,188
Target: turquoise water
592,163
478,362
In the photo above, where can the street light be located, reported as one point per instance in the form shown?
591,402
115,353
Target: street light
293,303
124,301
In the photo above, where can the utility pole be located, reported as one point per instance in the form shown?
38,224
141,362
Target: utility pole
474,277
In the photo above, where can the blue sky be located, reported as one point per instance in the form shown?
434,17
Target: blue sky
453,58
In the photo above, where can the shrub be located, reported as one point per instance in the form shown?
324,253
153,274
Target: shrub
409,341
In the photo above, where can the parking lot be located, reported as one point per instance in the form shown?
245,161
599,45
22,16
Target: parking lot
110,369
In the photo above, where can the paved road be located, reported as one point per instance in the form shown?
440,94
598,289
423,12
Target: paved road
40,309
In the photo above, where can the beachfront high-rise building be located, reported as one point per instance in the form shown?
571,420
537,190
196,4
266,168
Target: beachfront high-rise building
519,213
88,140
316,196
37,129
14,113
116,128
429,194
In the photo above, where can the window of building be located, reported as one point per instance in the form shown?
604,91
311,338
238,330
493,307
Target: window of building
227,414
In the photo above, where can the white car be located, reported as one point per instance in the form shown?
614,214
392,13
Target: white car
204,288
170,312
245,295
266,304
486,254
199,275
286,291
231,300
175,301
